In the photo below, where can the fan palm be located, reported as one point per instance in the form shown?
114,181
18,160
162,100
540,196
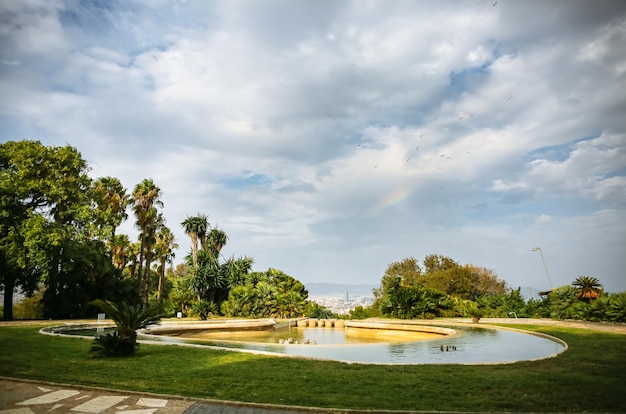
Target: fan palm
146,199
111,198
164,249
587,287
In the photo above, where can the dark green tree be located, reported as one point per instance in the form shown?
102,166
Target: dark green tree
53,223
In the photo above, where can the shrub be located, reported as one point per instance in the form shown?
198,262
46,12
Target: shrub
111,345
29,308
203,309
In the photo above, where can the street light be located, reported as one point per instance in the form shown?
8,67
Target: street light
537,249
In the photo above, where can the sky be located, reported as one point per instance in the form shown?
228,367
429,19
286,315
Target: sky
329,139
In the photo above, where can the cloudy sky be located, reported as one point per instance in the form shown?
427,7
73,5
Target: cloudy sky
331,138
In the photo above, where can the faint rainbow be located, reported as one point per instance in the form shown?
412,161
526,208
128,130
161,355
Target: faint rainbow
393,198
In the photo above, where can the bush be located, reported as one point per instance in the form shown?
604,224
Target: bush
111,345
203,309
29,308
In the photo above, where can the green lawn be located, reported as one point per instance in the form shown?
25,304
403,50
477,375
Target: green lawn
590,376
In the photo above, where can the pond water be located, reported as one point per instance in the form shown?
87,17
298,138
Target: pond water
469,345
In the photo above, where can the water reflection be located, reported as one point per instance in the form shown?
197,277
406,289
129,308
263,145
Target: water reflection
470,345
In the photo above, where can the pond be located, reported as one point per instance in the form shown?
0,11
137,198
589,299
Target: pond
465,345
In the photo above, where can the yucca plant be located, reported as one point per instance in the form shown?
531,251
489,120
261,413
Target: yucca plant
128,319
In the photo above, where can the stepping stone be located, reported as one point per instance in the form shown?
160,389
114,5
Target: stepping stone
152,402
17,411
98,404
50,398
142,411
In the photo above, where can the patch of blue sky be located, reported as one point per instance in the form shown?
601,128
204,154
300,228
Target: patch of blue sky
496,205
552,153
621,172
469,79
556,152
106,24
89,15
249,180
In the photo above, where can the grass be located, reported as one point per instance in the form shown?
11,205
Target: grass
590,376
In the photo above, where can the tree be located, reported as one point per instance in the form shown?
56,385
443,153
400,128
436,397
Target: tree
164,251
587,288
111,200
146,199
217,239
196,228
121,250
267,294
45,208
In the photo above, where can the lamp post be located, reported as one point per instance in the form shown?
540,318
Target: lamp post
537,249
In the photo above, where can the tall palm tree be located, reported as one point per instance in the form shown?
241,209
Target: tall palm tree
587,287
146,199
164,251
196,228
120,248
111,199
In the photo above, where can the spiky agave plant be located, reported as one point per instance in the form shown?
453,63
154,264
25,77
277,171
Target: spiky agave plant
128,319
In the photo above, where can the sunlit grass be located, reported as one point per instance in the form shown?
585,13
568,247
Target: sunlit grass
590,376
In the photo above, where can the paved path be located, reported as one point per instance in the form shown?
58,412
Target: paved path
31,397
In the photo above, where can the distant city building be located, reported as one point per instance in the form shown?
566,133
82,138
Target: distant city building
343,305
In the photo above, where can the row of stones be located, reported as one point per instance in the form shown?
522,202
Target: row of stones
320,323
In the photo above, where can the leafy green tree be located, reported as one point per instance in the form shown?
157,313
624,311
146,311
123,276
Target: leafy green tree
587,287
317,311
465,281
49,218
360,312
267,294
182,296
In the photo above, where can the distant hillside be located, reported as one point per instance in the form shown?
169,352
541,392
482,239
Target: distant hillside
336,289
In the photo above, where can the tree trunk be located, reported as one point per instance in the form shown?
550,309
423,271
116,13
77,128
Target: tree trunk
147,277
9,286
161,281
